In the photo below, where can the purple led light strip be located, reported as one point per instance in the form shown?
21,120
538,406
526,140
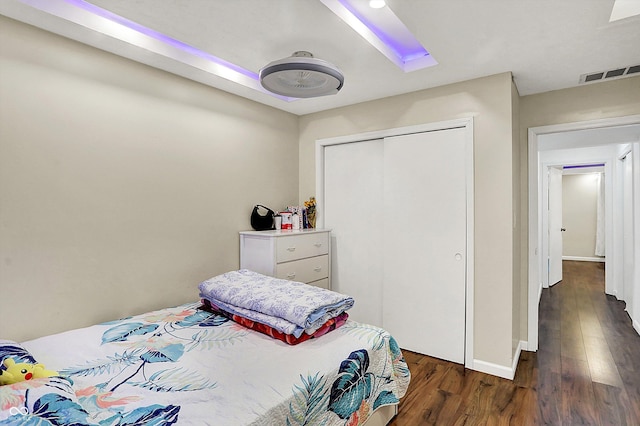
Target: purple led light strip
404,53
160,37
583,166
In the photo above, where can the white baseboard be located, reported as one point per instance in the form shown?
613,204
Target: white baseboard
493,369
500,370
584,259
636,326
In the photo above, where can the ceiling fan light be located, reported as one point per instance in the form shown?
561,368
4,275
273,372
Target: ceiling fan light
301,76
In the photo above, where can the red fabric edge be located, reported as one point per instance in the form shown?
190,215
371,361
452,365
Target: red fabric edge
289,339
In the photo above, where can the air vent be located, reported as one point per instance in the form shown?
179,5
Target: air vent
610,74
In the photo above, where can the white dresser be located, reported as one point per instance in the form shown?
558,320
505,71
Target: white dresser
302,255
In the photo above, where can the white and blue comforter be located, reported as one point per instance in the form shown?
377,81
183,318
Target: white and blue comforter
288,306
186,366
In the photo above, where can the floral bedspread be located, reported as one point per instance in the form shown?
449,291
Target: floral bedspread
186,366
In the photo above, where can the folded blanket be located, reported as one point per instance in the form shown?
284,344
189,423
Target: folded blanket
288,306
289,339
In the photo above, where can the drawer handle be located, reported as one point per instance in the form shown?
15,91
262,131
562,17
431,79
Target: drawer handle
291,249
318,245
291,276
317,269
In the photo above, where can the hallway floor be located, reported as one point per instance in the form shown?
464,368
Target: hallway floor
586,371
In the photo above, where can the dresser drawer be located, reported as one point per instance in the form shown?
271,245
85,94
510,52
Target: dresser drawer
323,283
301,246
304,270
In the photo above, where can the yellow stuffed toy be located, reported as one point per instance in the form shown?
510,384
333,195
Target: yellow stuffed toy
17,372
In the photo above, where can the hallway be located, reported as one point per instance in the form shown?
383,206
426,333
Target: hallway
589,356
586,372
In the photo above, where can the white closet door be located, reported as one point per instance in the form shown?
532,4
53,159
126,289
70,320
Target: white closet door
425,242
353,211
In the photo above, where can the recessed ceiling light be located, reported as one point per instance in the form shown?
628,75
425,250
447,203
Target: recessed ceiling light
377,4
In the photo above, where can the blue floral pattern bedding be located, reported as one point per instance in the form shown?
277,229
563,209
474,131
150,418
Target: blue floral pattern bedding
187,366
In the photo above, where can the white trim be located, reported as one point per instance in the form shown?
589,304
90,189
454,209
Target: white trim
539,294
470,252
635,304
535,280
467,124
534,201
398,131
493,369
584,259
501,370
516,359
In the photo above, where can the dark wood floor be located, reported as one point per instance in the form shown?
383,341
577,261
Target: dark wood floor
586,371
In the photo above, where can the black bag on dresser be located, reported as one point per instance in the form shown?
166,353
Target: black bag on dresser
262,222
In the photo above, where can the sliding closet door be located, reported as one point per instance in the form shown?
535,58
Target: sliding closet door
425,242
353,211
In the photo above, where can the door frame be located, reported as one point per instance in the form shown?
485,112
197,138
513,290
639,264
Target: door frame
467,125
535,189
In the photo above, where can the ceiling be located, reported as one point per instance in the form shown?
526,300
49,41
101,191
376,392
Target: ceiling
546,44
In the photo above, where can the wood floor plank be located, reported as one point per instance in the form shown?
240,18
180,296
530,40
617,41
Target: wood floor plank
549,397
578,400
590,323
442,407
602,366
572,346
614,407
631,379
527,370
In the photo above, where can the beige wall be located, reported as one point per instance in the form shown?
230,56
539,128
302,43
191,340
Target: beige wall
121,186
489,100
579,205
617,98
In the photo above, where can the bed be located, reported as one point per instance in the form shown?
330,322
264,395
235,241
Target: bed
188,365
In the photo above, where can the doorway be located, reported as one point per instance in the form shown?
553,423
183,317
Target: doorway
576,216
599,136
